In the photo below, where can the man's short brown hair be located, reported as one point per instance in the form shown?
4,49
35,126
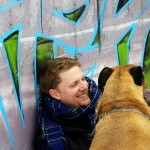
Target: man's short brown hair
49,76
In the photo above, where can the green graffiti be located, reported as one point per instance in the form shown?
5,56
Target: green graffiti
146,62
75,15
123,50
121,4
11,47
96,40
44,52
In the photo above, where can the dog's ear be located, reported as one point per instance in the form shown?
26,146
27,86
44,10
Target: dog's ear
103,77
137,74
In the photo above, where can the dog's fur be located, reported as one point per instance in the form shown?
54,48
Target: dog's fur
122,87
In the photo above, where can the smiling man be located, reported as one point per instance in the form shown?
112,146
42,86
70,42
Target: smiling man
66,107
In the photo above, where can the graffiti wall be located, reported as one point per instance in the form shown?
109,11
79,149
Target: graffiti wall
98,33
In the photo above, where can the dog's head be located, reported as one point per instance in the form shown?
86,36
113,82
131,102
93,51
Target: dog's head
125,73
120,86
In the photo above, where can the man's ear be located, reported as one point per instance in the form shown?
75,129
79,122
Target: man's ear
54,94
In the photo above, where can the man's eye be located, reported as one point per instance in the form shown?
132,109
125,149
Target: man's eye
74,84
83,79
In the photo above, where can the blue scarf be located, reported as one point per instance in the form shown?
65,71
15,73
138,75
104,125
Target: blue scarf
51,130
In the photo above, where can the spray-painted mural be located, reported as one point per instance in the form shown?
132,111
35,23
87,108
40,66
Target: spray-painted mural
97,32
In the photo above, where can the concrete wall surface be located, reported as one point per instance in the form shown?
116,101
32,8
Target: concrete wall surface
98,32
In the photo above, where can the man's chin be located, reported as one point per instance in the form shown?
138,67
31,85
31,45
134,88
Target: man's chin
86,102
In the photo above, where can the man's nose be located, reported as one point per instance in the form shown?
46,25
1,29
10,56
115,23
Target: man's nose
83,85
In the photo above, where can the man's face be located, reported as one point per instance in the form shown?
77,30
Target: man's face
73,89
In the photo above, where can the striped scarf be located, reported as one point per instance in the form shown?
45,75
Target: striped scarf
49,132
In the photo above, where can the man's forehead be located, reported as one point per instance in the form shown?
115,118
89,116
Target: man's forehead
71,75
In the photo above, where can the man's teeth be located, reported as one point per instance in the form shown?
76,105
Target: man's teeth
82,95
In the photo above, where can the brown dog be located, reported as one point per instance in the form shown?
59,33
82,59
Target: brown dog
124,116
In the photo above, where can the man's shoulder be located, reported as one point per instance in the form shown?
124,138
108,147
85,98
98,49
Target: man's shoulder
91,82
88,79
